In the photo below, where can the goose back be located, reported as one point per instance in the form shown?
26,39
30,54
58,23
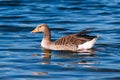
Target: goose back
74,39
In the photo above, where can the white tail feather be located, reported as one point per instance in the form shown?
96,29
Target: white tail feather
88,44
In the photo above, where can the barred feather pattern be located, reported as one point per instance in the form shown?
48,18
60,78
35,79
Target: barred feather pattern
71,42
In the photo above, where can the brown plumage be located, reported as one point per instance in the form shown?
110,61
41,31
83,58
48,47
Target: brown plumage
73,42
74,39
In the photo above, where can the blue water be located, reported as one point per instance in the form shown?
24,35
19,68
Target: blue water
21,57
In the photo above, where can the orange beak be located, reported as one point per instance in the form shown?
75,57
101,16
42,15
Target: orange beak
34,31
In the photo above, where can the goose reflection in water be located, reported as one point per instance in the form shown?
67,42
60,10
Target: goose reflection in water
46,56
82,57
67,59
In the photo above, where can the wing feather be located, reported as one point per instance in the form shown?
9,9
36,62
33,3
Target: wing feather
75,39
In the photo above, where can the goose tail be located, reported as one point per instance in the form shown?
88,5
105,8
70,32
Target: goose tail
88,44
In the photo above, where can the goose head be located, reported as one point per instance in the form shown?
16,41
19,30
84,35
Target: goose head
40,28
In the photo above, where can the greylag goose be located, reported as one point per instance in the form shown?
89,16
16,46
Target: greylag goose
73,42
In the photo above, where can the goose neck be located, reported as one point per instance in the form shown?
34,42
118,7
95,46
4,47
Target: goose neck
47,35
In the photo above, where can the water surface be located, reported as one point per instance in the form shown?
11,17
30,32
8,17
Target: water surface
21,57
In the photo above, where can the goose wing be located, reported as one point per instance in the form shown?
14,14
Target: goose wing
75,39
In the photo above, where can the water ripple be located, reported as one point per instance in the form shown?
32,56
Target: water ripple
23,58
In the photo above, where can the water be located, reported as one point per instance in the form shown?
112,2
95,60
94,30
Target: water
21,57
